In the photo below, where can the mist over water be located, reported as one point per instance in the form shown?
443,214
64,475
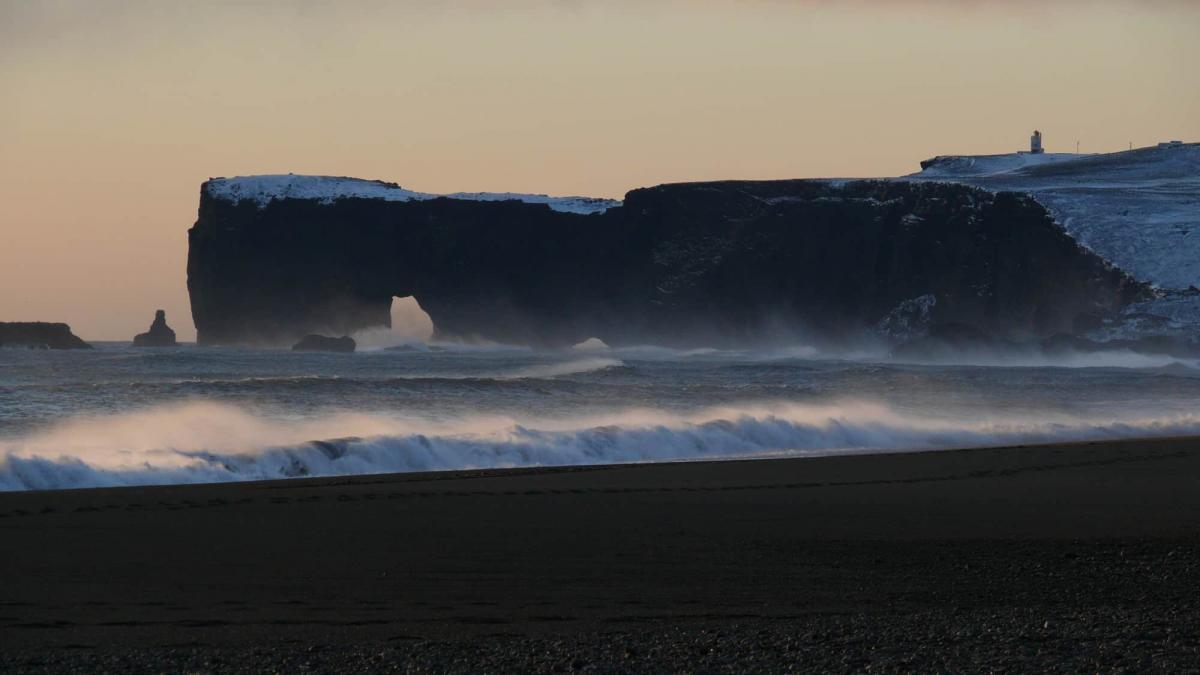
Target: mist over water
120,416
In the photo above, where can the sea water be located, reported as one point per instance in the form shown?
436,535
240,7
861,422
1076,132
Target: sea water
117,415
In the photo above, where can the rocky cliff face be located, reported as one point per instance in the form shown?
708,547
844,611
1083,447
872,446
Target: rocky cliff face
40,335
723,263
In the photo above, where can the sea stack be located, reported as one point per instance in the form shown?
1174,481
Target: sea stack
322,343
159,335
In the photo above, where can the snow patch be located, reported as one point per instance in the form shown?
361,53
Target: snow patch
1174,314
956,166
262,190
909,319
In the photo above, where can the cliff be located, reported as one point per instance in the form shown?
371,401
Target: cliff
722,263
40,335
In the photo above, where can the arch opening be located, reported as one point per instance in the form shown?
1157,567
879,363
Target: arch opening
410,325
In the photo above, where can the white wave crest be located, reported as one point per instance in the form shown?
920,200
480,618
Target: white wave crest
210,442
575,367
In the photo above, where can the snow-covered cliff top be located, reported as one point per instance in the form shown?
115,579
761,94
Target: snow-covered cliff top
262,190
986,165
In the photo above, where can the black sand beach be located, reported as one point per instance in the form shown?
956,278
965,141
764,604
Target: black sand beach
1067,557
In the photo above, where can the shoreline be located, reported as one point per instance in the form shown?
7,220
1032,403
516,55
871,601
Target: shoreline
1084,555
490,472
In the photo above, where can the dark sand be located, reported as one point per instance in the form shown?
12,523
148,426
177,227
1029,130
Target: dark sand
1069,557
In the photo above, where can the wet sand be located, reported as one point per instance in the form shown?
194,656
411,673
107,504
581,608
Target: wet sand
1077,556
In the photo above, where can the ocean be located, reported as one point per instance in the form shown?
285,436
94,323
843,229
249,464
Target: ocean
117,415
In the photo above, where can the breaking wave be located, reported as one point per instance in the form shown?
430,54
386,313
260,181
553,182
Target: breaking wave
203,442
547,370
542,371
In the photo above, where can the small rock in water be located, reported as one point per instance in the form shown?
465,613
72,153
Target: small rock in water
323,343
159,335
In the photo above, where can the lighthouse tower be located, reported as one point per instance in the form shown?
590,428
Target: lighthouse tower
1035,143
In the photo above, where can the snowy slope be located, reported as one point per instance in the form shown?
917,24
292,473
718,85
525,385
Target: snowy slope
1140,210
263,189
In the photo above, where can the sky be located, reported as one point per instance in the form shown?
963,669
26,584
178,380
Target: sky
112,113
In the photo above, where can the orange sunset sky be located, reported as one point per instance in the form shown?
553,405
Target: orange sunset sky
113,113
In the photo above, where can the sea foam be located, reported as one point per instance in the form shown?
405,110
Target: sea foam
202,442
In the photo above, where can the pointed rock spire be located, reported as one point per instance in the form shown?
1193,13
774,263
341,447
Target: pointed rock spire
159,335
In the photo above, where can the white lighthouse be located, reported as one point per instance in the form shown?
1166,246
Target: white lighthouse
1035,143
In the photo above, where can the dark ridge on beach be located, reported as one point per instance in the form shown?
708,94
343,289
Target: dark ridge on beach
1067,557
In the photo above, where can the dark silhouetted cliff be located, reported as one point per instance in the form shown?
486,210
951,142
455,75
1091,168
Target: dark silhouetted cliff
723,263
40,335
